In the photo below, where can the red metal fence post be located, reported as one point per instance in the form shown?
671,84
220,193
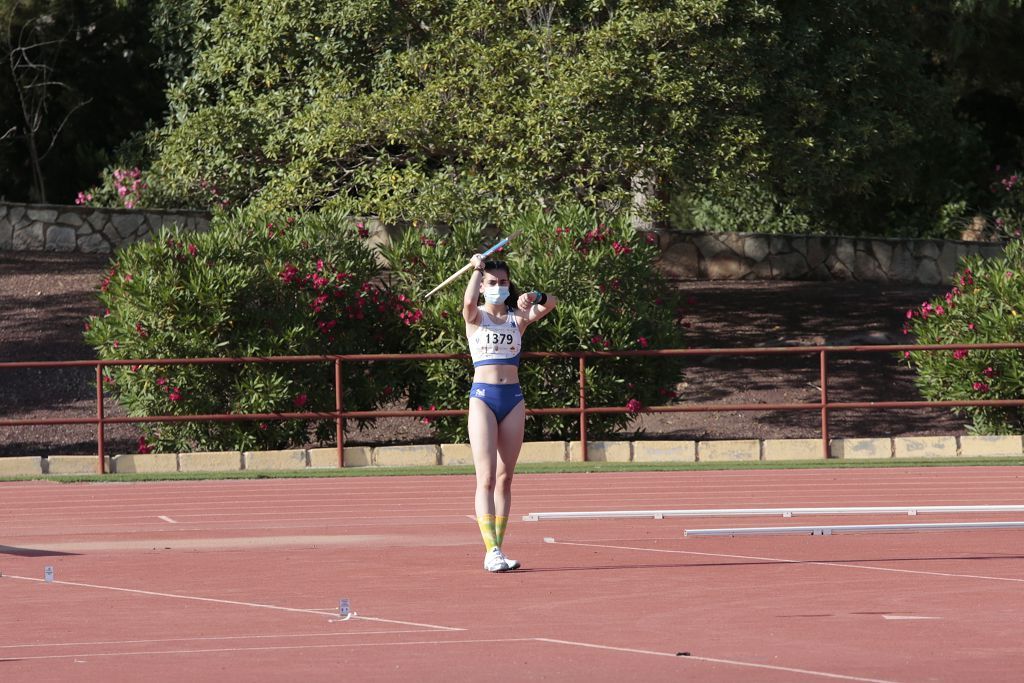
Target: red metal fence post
99,418
583,407
339,425
824,403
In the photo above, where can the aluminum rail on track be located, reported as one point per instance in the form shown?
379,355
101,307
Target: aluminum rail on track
910,510
851,529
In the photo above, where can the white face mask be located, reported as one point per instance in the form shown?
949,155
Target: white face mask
495,295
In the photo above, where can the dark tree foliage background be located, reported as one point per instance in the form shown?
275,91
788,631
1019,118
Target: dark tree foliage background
863,116
107,87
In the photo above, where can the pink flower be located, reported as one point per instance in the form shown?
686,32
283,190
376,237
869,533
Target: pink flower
906,354
939,310
989,372
289,273
642,341
970,326
960,354
300,400
634,406
980,387
620,249
910,314
174,394
652,238
192,249
143,446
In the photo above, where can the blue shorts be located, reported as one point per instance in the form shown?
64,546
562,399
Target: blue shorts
500,398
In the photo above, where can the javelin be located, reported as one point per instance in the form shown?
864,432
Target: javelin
466,267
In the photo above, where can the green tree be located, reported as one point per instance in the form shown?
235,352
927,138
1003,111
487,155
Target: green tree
459,109
467,110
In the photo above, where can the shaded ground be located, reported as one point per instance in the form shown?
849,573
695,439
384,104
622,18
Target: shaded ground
45,298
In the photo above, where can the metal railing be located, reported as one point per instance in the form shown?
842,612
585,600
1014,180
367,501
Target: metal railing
339,414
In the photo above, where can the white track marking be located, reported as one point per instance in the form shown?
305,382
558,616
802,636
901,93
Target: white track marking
332,634
396,644
898,617
716,660
783,560
393,644
167,519
233,602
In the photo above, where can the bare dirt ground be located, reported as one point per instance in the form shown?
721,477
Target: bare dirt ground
45,298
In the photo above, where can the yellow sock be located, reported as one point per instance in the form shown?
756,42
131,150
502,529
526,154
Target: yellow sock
500,523
486,523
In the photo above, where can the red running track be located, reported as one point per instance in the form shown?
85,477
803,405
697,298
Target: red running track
240,580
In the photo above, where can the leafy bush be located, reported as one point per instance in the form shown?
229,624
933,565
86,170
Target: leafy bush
746,208
610,298
985,305
1008,215
253,286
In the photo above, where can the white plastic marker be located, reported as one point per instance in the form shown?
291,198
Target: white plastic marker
48,573
344,611
466,267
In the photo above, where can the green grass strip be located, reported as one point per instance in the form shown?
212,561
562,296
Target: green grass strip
524,468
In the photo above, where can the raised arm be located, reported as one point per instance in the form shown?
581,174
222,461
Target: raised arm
535,305
470,312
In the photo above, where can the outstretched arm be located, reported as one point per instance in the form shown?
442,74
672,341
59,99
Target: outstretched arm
470,312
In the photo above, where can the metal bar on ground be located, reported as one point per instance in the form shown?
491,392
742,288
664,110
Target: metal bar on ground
851,529
910,510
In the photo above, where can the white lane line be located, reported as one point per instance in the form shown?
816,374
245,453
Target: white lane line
333,634
167,519
785,561
899,617
233,602
276,647
716,660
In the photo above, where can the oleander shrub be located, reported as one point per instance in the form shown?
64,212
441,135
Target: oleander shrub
985,305
1008,214
255,285
610,298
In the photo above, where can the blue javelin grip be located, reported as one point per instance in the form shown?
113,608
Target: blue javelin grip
466,267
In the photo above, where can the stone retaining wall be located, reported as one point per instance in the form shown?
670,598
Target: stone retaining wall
750,256
89,230
441,455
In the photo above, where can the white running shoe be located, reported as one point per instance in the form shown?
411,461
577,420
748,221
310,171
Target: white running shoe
494,561
512,564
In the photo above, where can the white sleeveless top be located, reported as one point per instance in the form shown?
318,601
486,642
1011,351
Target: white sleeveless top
496,343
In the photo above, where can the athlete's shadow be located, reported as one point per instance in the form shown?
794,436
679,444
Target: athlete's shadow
31,552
